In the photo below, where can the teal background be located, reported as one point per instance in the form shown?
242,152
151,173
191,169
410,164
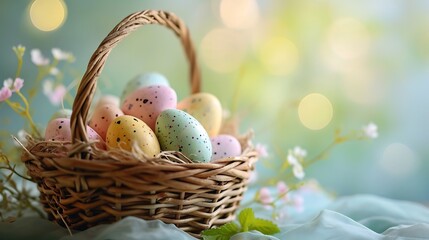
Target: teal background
395,65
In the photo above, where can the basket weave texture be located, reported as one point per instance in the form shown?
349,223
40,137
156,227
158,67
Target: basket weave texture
82,186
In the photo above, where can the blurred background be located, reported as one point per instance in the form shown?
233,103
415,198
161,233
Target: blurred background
352,62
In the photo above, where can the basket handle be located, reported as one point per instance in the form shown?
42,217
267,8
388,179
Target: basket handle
88,84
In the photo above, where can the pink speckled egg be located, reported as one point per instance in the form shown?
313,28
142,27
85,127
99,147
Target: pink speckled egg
148,102
59,130
108,99
225,146
102,116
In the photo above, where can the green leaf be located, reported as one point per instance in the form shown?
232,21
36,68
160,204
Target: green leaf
224,232
246,218
264,226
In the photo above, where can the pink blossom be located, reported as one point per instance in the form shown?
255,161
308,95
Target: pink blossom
262,150
18,84
5,93
298,201
58,94
265,196
283,189
55,95
253,177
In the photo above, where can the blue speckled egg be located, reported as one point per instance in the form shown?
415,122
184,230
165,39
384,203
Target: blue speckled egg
178,131
143,80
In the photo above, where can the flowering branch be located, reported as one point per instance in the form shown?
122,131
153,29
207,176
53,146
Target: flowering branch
14,198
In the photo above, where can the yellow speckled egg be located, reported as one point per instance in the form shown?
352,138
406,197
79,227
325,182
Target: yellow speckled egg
206,108
126,131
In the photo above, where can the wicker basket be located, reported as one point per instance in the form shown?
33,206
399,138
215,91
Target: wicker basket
82,186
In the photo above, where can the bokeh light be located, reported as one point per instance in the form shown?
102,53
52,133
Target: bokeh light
48,15
399,160
362,86
239,14
315,111
222,50
348,38
279,56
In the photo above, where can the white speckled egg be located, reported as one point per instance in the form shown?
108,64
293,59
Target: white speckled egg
62,113
126,131
102,116
225,146
178,131
108,99
59,130
148,102
143,80
206,108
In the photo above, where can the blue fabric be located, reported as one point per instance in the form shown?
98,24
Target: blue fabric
353,217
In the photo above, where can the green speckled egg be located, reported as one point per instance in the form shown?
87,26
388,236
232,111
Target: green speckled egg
126,131
178,131
143,80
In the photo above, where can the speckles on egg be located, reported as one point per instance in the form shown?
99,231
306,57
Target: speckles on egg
143,80
102,117
148,102
206,108
179,131
126,131
59,130
225,146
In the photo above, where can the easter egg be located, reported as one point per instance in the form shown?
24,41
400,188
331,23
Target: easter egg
148,102
225,146
108,99
206,108
102,116
178,131
143,80
62,113
126,131
59,130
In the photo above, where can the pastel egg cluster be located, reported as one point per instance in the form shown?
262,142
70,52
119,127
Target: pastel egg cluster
149,117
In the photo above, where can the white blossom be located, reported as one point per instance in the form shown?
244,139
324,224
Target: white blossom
8,83
61,55
54,71
299,152
291,158
48,85
298,171
38,59
370,131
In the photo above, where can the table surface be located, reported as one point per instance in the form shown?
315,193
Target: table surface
319,217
